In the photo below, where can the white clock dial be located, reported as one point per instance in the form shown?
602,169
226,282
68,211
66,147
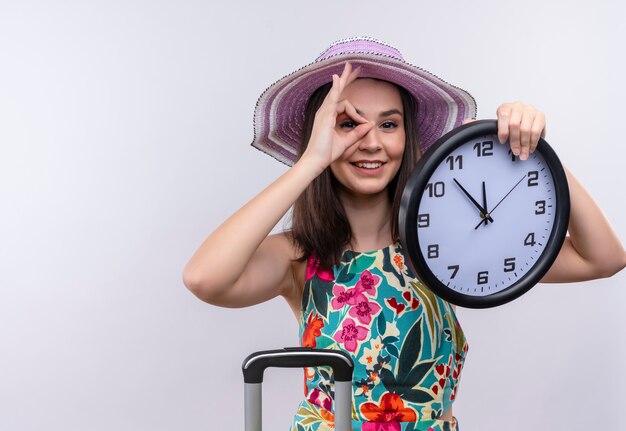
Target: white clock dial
477,255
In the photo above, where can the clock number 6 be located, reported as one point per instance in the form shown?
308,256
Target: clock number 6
482,277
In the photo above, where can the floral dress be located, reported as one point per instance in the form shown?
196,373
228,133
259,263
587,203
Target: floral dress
406,343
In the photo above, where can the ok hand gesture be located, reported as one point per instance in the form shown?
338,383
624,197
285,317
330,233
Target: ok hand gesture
326,143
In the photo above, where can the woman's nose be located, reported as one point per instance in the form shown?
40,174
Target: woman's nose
370,142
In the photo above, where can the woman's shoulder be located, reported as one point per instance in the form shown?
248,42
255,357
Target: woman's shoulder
282,247
282,244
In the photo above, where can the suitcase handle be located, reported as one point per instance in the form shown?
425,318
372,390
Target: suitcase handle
298,357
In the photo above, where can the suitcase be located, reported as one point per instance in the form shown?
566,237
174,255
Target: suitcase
298,357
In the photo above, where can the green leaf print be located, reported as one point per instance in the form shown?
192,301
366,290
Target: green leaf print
381,324
418,373
390,339
309,420
345,276
361,263
389,346
410,350
393,350
431,309
305,295
387,378
309,416
457,335
417,396
321,291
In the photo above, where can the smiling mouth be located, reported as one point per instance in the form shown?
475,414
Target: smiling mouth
368,165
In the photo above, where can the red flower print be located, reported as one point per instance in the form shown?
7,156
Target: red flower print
313,328
387,415
393,303
364,310
411,299
313,268
343,296
349,334
367,282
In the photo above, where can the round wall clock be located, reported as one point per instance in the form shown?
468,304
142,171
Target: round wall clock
480,226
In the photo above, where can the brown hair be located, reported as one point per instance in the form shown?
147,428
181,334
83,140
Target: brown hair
319,223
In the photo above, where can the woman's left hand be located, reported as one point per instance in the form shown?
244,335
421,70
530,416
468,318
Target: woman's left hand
522,125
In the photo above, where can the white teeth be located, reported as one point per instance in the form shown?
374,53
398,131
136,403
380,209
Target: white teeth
375,165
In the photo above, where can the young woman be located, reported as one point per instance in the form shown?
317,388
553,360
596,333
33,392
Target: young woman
353,124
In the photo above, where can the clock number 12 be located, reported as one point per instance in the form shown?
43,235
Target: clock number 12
484,149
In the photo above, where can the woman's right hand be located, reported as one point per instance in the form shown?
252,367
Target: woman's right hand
238,264
328,142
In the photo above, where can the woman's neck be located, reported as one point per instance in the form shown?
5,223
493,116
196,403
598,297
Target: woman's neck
370,220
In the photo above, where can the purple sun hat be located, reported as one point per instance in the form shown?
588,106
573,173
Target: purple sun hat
279,113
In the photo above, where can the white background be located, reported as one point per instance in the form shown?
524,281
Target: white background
124,141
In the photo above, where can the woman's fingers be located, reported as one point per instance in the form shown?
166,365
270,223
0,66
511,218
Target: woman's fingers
503,113
522,125
364,126
537,130
340,82
346,107
347,76
515,119
524,133
329,139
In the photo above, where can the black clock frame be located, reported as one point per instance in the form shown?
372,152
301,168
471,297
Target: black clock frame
412,195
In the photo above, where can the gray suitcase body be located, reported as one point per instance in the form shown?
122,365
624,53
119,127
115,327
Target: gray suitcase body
298,357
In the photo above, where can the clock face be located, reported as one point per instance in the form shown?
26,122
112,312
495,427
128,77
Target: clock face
484,225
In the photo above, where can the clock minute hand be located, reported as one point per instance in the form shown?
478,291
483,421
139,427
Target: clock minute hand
516,184
483,212
494,208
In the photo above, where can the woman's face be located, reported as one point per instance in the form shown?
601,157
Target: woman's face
368,166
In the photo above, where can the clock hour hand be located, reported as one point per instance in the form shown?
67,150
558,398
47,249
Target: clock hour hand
483,212
485,216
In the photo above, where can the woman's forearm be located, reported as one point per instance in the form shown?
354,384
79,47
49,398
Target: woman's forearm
592,249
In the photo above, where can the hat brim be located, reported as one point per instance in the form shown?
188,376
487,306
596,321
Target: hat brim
280,110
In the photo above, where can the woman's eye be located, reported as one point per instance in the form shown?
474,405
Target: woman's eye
348,124
389,125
